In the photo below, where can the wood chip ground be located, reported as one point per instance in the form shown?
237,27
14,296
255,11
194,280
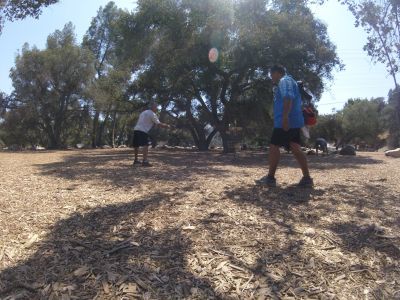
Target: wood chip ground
89,225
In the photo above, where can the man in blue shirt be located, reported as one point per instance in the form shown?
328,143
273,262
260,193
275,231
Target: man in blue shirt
288,121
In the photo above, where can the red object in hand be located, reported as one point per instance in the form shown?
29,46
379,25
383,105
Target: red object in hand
310,117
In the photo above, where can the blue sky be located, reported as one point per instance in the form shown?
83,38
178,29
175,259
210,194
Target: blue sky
361,78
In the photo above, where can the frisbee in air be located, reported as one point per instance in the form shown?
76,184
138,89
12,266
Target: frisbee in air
213,55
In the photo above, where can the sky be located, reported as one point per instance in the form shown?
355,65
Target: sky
360,79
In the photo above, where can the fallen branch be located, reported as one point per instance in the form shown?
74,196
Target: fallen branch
123,245
79,244
247,283
329,248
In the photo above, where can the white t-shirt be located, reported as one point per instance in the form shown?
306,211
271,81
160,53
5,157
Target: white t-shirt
147,120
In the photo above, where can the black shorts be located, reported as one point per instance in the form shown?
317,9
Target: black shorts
283,138
140,139
321,146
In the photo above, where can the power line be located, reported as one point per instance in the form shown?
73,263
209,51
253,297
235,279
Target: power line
330,103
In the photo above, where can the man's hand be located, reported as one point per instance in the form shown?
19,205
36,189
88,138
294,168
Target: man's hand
285,124
164,125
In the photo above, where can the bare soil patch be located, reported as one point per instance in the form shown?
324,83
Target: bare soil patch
88,225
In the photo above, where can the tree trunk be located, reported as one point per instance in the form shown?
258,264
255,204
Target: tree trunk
202,144
397,129
95,129
100,141
210,138
99,138
201,140
197,130
394,131
198,140
226,141
55,137
113,129
52,143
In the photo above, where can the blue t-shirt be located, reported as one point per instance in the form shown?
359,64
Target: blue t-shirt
288,88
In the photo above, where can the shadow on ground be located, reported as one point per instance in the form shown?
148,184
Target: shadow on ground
342,228
115,166
250,242
108,253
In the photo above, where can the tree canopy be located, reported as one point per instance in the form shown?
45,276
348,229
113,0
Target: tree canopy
246,38
361,121
381,21
19,9
205,62
48,86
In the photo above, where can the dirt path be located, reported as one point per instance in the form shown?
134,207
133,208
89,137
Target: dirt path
86,224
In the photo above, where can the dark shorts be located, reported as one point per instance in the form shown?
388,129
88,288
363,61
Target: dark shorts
140,139
321,146
283,138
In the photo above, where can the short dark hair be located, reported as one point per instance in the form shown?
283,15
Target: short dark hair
278,68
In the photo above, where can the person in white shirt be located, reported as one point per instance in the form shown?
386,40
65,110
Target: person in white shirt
147,120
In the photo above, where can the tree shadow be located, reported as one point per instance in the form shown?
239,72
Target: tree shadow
323,235
115,166
278,201
267,265
108,252
331,162
356,237
250,241
259,158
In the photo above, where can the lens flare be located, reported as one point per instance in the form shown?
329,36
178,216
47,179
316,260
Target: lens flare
213,55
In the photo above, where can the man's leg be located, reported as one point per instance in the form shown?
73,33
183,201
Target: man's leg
301,159
274,157
145,153
136,153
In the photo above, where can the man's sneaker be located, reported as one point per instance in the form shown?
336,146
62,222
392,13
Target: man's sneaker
267,180
136,162
306,182
146,164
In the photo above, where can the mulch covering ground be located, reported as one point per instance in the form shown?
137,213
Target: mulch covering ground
88,225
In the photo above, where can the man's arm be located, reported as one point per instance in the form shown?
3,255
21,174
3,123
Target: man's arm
287,107
164,125
287,91
157,122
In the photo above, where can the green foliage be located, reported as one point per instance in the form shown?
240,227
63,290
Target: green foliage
3,103
328,127
48,84
161,52
381,21
102,37
250,36
360,122
109,85
21,128
391,119
19,9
